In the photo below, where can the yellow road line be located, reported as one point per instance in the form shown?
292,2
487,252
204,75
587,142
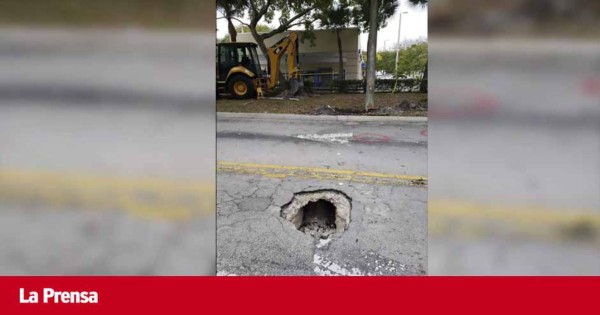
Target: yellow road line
160,198
283,171
458,218
144,197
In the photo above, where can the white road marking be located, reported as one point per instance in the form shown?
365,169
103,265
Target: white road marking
323,242
328,137
329,268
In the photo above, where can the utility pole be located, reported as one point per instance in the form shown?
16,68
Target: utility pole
398,49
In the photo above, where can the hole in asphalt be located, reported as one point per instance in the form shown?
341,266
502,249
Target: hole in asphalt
320,213
318,217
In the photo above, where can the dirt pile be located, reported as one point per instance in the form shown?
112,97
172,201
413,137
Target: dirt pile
325,110
317,229
404,106
389,110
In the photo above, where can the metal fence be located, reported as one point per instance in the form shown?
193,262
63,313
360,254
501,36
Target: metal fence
359,86
333,82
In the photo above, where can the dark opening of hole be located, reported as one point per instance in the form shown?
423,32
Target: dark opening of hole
318,215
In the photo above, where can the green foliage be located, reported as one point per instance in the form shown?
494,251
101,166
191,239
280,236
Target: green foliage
337,16
404,85
261,28
341,86
293,13
418,2
230,8
381,85
411,60
360,13
224,39
385,61
308,86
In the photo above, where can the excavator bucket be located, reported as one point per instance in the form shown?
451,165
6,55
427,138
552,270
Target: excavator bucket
296,88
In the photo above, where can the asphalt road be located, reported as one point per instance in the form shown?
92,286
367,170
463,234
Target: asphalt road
264,162
107,152
375,146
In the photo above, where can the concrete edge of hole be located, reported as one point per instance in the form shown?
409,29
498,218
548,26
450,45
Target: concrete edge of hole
341,201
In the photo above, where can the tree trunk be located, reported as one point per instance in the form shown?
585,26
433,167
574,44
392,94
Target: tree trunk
371,56
232,31
342,74
261,44
423,86
259,40
263,48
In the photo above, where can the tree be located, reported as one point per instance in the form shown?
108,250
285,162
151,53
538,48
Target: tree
386,9
337,18
423,86
261,28
366,13
385,61
224,39
292,13
371,55
361,13
413,60
244,29
230,10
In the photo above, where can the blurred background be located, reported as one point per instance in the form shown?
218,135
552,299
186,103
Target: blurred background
107,137
514,148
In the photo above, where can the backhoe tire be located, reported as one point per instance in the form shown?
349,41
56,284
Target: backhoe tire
241,87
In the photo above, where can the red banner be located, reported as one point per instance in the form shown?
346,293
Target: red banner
298,295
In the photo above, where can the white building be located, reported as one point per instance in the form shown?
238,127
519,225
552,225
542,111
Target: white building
319,62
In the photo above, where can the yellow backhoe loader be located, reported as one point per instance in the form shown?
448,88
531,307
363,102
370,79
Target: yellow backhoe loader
240,74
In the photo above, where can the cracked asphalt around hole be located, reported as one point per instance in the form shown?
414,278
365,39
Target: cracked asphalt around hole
263,162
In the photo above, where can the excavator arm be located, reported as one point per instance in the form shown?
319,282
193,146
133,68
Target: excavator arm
287,44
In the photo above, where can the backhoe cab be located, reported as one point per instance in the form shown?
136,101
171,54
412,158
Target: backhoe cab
239,70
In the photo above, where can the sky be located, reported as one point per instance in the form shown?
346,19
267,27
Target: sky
414,26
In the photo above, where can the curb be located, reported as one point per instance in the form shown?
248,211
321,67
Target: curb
226,115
